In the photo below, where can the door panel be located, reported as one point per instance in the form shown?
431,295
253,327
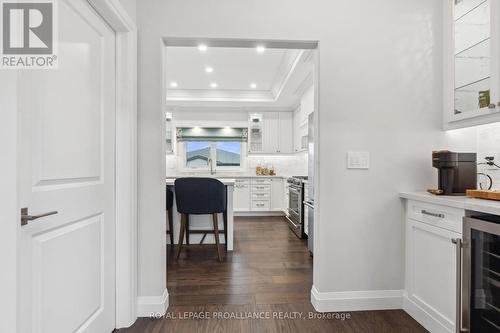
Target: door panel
67,164
431,275
54,257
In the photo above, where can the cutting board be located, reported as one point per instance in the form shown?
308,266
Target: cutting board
483,194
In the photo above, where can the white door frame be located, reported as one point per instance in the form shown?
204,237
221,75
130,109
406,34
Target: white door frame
126,174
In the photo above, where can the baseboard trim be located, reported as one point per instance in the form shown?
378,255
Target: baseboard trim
152,305
424,318
356,300
258,214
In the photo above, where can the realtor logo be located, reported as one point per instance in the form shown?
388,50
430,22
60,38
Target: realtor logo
28,32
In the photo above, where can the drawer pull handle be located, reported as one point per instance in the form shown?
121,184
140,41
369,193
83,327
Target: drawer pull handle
439,215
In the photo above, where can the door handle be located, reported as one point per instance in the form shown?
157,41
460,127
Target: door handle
25,217
308,204
293,223
458,274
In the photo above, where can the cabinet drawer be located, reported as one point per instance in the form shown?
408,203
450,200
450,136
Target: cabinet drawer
260,196
261,205
261,188
257,181
240,181
445,217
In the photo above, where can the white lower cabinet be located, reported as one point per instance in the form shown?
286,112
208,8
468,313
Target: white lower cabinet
259,195
277,194
241,195
431,265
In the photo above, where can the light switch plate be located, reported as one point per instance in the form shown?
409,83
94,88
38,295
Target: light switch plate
358,160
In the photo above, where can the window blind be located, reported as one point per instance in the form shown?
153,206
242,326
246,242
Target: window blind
212,134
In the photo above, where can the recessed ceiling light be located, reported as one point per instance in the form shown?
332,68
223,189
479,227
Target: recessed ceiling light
213,84
173,84
202,47
253,85
260,49
209,69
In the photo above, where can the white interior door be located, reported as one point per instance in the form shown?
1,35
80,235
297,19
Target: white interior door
66,141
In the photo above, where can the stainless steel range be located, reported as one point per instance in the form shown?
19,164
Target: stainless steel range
295,205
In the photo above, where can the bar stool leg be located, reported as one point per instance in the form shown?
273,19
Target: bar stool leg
224,216
187,229
171,226
216,235
181,236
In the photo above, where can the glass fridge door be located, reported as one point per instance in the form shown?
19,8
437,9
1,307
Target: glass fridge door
484,275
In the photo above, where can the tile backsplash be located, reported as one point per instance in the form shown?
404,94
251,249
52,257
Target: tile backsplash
286,165
488,144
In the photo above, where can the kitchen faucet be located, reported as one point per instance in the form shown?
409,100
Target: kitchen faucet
211,162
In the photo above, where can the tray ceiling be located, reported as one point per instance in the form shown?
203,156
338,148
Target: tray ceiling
236,76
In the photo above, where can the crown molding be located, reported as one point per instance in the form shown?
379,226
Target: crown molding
177,108
219,95
288,64
305,84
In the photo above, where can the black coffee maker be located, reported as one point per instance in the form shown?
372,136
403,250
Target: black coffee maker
457,172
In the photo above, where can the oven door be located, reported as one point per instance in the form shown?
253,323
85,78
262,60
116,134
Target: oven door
295,210
480,308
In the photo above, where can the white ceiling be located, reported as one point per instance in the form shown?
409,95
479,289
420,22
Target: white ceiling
277,73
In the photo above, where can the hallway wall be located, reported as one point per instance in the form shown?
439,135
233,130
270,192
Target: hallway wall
380,90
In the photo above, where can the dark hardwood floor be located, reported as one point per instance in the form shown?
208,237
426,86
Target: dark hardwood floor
269,273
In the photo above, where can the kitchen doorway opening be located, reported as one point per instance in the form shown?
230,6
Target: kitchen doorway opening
243,112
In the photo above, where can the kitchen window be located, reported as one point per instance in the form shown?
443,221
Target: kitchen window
218,148
225,154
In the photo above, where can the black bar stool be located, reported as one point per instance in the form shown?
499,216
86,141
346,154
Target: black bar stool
200,196
205,232
169,205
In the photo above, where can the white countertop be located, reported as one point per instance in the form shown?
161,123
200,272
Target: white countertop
462,202
224,175
225,181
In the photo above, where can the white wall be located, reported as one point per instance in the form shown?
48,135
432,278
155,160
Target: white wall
379,91
488,144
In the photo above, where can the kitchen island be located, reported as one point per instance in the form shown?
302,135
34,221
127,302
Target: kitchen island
204,222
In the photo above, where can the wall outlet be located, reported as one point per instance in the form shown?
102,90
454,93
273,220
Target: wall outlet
358,160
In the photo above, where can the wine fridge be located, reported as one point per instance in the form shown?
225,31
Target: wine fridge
478,303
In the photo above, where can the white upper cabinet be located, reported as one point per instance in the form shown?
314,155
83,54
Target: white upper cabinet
277,134
286,132
270,135
301,119
471,62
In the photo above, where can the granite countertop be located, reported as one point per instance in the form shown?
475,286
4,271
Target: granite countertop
225,181
462,202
